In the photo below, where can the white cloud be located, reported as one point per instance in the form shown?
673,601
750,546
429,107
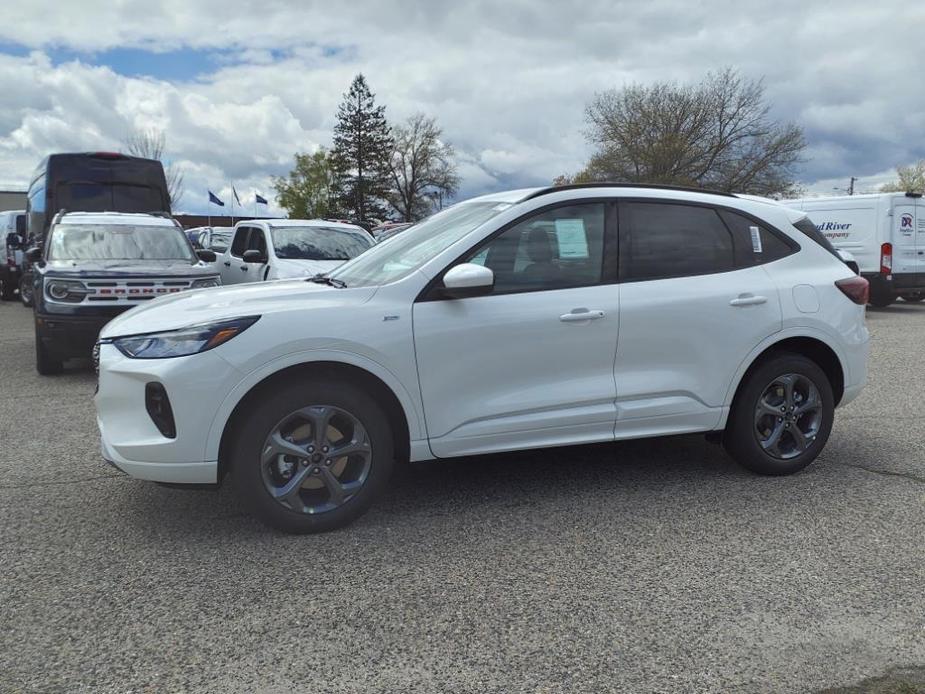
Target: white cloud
507,81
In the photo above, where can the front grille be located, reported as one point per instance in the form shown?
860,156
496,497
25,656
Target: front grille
129,291
95,358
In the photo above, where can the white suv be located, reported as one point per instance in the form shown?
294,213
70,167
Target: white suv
527,319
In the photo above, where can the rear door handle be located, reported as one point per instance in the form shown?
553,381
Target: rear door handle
580,315
244,267
227,263
748,300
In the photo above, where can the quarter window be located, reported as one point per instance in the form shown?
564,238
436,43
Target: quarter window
557,249
661,240
755,244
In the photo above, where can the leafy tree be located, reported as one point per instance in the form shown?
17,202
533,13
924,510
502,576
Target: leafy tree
152,144
361,154
909,179
422,168
716,134
308,191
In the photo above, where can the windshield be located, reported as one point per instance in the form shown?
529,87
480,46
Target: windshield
118,242
219,241
318,243
102,197
404,253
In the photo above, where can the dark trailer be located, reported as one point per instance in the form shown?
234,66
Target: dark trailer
94,182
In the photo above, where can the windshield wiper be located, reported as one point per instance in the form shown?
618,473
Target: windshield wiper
330,281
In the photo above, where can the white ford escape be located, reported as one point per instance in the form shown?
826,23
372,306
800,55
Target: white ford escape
520,320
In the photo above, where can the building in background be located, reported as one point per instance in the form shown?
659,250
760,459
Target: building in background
12,200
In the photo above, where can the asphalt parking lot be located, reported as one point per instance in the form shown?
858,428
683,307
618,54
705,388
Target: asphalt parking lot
647,566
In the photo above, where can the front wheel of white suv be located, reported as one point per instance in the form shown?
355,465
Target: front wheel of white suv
781,417
312,456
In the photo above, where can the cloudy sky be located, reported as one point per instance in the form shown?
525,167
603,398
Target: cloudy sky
239,87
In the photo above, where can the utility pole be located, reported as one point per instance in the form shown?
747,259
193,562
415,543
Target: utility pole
851,185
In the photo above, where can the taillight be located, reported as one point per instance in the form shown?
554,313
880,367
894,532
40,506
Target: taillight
886,259
855,288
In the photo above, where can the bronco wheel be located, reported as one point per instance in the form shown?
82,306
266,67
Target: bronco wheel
25,290
781,417
312,456
45,364
7,290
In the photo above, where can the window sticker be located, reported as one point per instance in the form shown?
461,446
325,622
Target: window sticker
572,239
756,239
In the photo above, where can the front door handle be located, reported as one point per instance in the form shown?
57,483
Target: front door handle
244,267
748,300
227,263
580,315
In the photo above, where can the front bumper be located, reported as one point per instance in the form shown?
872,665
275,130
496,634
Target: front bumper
69,336
129,438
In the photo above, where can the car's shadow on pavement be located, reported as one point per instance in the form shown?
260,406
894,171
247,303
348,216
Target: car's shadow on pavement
544,481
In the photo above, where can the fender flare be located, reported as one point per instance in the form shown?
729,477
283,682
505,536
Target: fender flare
769,342
409,404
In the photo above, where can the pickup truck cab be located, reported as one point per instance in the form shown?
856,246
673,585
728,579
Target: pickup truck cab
273,249
96,265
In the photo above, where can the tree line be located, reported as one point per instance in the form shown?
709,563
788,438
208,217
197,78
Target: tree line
373,170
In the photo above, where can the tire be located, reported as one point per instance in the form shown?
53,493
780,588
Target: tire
44,363
25,290
7,291
257,466
880,296
748,426
912,298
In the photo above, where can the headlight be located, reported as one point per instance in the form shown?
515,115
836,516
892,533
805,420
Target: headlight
207,282
66,290
182,342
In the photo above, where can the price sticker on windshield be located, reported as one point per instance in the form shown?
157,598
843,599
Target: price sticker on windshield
756,239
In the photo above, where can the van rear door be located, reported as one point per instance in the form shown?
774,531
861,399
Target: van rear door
908,254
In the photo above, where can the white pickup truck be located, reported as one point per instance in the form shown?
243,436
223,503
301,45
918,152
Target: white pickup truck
273,249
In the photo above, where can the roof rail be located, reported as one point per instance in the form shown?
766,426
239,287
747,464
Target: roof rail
654,186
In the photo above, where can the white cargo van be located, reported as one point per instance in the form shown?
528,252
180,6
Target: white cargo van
885,232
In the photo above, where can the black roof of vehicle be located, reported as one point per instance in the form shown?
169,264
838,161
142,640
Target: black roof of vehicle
654,186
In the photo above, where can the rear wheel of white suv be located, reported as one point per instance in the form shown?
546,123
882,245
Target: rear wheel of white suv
312,456
781,417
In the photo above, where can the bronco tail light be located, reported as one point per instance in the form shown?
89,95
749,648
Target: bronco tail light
886,259
855,288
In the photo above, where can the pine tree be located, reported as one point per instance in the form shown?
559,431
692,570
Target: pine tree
361,154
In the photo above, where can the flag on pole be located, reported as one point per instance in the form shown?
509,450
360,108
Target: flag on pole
236,198
213,198
259,198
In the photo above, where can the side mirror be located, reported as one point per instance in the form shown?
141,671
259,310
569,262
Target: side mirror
34,255
467,279
253,256
206,255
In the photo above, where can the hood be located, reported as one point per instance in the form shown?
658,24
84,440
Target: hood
255,299
302,268
121,268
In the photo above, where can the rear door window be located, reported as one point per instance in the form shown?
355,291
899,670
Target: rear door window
662,240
